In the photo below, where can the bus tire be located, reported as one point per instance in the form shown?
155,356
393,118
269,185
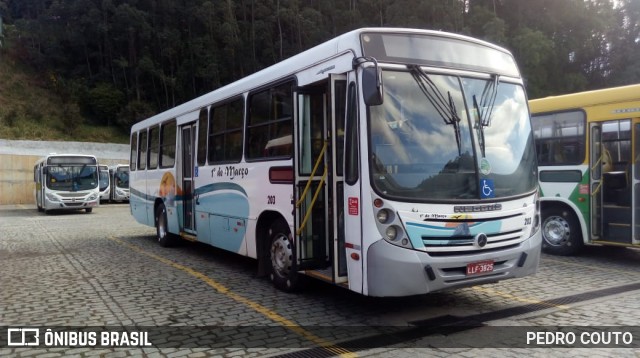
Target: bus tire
165,238
88,210
282,272
560,232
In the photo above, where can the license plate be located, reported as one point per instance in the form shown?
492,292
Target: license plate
480,267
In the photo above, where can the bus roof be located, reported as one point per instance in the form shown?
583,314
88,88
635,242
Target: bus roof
585,99
347,43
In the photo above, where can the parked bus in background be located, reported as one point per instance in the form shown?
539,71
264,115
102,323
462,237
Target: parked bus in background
105,183
120,182
588,148
391,162
66,182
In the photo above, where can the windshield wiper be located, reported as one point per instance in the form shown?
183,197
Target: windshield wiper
479,126
446,109
485,109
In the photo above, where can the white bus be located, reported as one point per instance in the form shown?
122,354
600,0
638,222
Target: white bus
66,182
391,162
105,183
119,182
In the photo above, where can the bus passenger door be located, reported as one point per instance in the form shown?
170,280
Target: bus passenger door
319,219
634,174
595,183
611,182
338,100
311,176
186,173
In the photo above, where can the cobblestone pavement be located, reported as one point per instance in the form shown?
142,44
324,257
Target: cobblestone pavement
72,270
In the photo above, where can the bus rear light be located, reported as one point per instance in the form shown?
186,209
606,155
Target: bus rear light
355,256
281,175
378,203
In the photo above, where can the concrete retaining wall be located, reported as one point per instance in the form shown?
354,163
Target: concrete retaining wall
17,158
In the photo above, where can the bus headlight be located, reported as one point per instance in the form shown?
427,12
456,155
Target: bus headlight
389,224
92,197
536,215
383,216
392,233
52,197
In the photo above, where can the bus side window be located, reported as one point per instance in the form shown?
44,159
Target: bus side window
133,162
560,137
142,150
269,127
168,144
202,136
154,142
351,173
225,132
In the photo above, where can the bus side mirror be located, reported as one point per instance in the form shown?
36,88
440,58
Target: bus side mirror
372,86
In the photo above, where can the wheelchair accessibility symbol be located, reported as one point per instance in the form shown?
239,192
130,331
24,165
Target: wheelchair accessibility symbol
486,189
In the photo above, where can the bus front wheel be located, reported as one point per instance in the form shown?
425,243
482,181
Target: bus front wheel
560,232
282,274
165,238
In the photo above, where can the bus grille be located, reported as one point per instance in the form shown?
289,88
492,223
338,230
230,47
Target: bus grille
73,204
463,241
78,195
459,235
464,244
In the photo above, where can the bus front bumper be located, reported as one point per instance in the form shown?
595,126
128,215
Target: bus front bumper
396,271
72,203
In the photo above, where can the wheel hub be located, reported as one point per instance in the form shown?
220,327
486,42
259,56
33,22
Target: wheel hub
556,231
281,255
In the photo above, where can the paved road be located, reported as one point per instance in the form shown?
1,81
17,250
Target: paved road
104,271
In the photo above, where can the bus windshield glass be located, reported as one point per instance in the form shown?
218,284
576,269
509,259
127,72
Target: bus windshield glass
104,179
72,177
429,143
122,177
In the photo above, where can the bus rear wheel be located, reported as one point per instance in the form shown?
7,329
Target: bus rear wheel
560,232
282,273
165,238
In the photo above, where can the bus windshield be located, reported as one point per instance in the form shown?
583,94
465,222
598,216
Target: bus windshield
429,143
72,177
122,177
104,179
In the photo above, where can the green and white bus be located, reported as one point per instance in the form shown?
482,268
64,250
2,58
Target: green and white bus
388,161
588,147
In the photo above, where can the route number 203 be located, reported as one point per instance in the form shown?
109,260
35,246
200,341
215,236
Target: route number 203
271,200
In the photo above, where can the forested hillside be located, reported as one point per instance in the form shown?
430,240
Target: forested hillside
117,61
